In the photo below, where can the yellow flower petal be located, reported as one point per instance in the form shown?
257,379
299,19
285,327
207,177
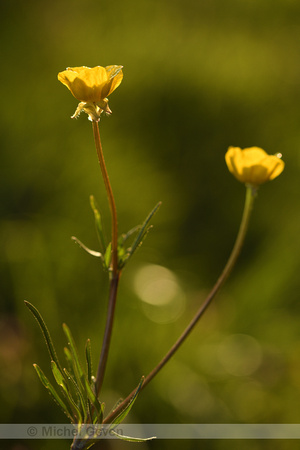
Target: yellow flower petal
91,85
253,165
115,75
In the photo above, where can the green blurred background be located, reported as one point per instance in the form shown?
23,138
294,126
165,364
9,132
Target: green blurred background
199,76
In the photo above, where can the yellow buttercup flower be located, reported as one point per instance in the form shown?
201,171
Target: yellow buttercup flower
253,166
91,86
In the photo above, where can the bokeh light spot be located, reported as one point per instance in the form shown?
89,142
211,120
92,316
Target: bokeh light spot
162,297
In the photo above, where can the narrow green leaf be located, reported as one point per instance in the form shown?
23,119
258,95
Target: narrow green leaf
123,238
143,231
131,439
84,390
107,256
74,353
88,357
81,381
98,419
68,357
81,406
59,378
53,392
45,332
98,222
144,228
94,401
121,251
86,249
91,413
79,376
70,365
128,407
115,406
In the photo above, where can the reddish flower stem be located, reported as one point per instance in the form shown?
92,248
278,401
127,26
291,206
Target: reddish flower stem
115,273
250,195
111,200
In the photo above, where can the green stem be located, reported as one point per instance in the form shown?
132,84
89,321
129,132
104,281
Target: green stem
250,195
